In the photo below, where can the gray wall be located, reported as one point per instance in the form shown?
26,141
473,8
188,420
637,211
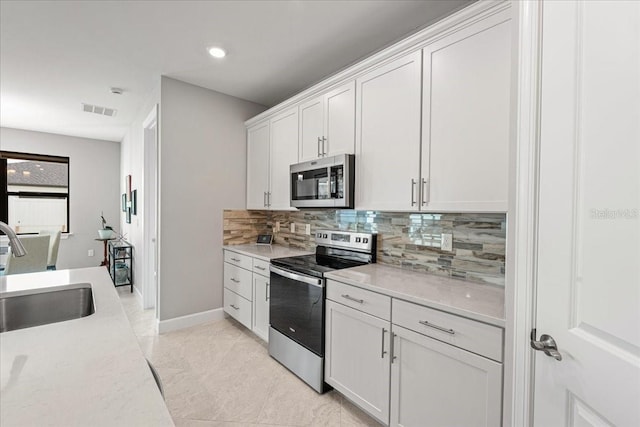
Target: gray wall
94,187
202,172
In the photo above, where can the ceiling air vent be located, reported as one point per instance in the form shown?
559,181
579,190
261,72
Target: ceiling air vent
103,111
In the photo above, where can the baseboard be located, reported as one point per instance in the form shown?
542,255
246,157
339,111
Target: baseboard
190,320
138,294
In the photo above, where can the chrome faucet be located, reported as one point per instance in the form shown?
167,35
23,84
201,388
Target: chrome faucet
16,245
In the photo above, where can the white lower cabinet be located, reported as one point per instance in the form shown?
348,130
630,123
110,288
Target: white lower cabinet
405,377
437,384
260,325
237,307
246,291
357,358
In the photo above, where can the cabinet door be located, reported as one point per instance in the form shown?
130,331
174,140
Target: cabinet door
467,78
357,358
284,153
260,325
340,120
257,165
433,383
388,135
311,129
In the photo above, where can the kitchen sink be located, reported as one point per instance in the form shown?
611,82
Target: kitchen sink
26,311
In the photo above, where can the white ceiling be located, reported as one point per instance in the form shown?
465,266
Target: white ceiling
56,55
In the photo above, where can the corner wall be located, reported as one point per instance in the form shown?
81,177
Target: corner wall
94,166
132,163
202,172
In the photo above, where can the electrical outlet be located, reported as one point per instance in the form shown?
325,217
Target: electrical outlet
307,229
446,244
293,227
90,252
277,227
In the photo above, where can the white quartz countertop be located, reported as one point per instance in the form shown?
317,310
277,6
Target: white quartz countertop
81,372
473,300
266,252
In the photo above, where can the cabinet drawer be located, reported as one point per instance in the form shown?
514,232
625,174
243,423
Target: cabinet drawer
237,307
361,299
238,259
238,280
261,267
468,334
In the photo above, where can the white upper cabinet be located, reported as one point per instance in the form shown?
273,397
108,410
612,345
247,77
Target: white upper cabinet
258,165
327,124
340,120
388,135
284,153
272,146
465,118
311,129
428,123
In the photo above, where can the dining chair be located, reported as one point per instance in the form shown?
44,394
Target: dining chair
54,243
37,248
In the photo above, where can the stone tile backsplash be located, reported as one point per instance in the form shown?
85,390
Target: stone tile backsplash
406,240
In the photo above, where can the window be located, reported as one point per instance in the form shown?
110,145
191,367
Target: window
35,192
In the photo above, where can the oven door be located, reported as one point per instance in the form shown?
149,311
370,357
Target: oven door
296,308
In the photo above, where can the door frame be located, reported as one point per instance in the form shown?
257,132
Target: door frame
151,122
522,215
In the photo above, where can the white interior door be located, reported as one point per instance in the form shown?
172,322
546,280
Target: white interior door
150,218
588,281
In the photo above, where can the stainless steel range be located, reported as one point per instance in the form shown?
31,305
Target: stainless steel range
296,304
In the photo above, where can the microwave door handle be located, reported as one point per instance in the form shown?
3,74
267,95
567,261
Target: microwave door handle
293,276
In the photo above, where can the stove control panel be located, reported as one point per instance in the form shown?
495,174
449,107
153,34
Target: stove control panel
346,239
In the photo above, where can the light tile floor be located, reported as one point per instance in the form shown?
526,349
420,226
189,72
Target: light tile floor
220,374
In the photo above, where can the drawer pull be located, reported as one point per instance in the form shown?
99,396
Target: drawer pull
383,352
440,328
260,268
359,301
393,347
235,259
234,307
234,280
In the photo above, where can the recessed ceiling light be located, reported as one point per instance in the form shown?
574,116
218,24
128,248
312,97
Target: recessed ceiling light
217,52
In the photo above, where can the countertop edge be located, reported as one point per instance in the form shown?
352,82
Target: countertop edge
494,321
246,249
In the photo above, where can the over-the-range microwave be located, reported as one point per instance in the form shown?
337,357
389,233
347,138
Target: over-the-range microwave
323,183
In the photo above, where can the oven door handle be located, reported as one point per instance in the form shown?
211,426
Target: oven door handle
300,278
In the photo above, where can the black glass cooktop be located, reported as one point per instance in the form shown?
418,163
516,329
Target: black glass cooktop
316,265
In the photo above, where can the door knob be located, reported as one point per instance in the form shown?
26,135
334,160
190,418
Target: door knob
546,344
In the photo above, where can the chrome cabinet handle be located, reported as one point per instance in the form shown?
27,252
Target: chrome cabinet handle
393,347
260,268
235,259
383,352
266,292
413,192
268,198
319,149
440,328
324,148
264,199
234,280
359,301
425,186
546,344
234,307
